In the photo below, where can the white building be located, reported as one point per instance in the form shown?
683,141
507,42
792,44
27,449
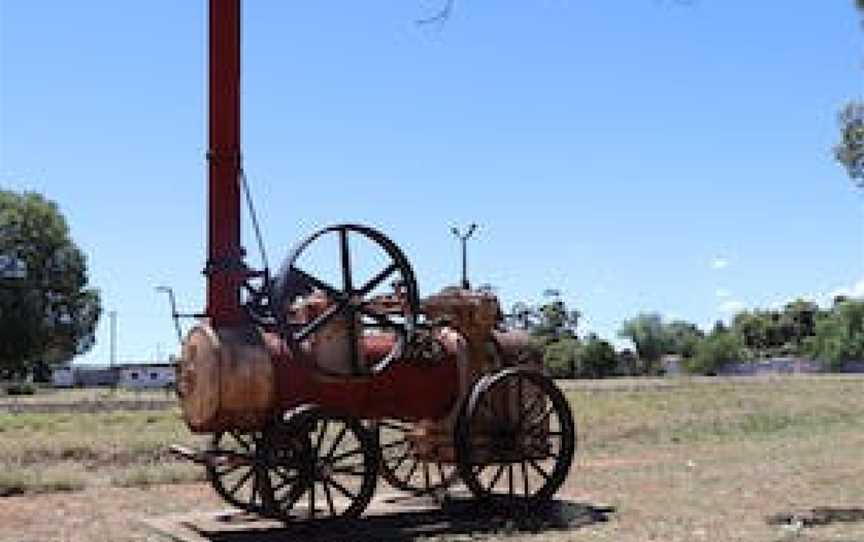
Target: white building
146,375
63,377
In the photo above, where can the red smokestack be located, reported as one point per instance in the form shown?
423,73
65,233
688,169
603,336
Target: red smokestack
225,266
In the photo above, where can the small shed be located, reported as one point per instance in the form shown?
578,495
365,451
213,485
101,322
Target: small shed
147,375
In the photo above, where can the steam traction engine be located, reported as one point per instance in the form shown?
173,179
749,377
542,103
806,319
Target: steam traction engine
315,380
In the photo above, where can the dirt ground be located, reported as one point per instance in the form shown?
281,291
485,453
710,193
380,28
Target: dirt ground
756,463
716,493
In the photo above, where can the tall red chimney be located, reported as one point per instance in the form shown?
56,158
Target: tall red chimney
225,267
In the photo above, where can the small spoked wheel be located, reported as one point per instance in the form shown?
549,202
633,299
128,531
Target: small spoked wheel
235,470
333,475
515,437
403,465
351,300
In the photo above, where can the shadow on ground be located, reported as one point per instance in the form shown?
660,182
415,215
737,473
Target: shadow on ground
814,517
453,519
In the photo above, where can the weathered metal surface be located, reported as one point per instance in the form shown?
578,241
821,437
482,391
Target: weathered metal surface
409,389
239,378
225,268
225,379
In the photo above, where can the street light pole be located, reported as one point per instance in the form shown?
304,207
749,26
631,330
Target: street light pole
463,238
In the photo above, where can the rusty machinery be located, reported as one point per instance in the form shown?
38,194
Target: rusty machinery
311,387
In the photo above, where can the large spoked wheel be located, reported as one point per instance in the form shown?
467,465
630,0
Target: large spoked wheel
403,467
351,301
236,471
515,437
335,470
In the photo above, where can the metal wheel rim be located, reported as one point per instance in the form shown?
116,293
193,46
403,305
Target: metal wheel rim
502,480
403,470
399,264
327,474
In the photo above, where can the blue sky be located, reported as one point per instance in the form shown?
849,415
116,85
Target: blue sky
644,155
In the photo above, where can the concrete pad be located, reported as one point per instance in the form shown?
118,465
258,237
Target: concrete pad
396,517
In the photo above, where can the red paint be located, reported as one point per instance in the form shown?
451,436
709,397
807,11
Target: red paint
225,268
407,389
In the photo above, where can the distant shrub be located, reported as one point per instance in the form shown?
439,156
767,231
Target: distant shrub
559,358
21,389
596,358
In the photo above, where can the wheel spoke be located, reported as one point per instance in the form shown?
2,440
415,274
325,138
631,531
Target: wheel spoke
243,479
312,499
382,319
412,471
328,496
320,284
394,443
539,469
350,470
294,496
395,425
284,483
496,477
265,489
343,455
441,473
375,281
399,463
345,251
342,489
241,441
320,439
336,442
229,469
525,477
321,319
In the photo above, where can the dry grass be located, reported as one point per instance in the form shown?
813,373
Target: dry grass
679,461
94,449
85,395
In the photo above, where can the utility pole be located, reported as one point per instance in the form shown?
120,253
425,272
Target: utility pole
113,316
464,239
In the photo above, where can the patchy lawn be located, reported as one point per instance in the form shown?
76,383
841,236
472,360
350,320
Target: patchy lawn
678,461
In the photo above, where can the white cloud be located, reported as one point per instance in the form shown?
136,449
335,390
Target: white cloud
732,306
722,292
856,290
719,263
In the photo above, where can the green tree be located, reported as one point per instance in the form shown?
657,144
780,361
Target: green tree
839,334
683,338
772,332
596,358
798,322
554,321
714,351
649,337
752,329
554,325
849,151
47,312
559,357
